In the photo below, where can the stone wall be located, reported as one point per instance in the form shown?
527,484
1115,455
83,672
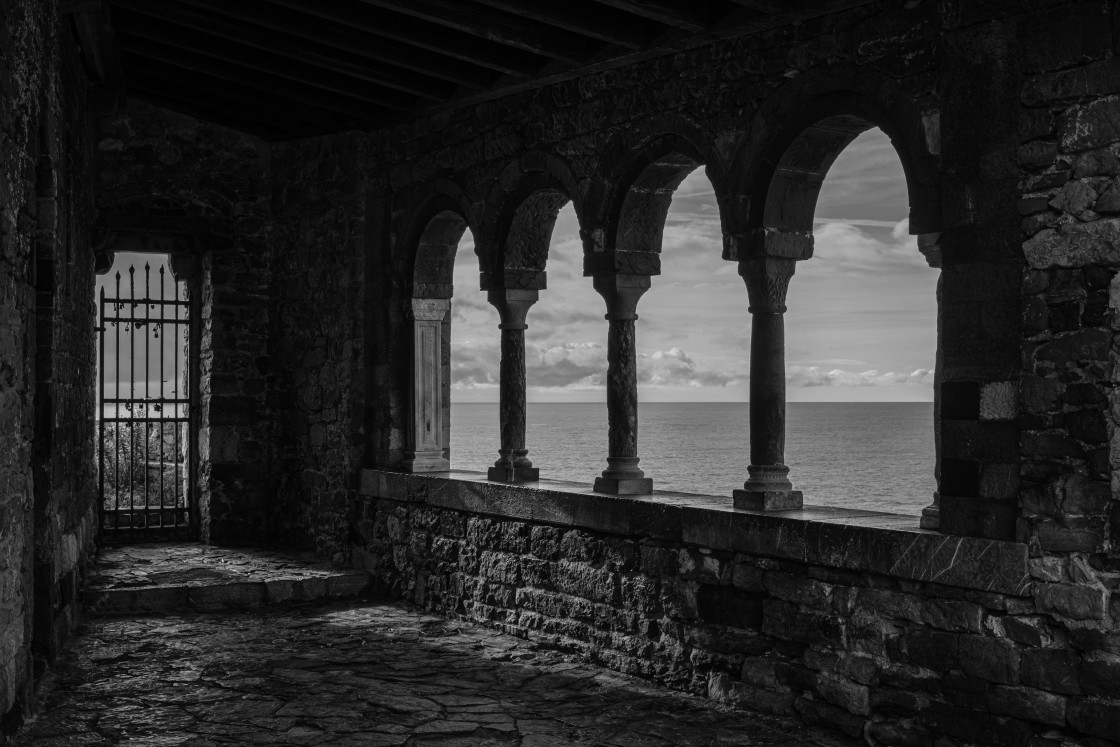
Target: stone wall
319,302
47,469
848,619
169,183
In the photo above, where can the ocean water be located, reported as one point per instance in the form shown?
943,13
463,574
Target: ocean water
870,455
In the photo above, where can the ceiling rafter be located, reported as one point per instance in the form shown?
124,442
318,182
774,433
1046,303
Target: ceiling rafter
578,17
170,43
667,12
291,25
216,31
436,39
504,28
145,52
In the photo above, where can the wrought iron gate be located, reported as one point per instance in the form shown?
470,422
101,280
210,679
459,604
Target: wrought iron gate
146,439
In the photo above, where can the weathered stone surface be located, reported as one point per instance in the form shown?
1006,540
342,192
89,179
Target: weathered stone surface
1055,670
1092,125
1075,245
990,659
1077,602
365,674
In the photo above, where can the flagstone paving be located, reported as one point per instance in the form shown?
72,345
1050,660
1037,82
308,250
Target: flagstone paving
358,673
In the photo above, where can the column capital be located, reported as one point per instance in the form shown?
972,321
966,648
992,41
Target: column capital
621,292
429,309
760,243
767,281
512,305
929,244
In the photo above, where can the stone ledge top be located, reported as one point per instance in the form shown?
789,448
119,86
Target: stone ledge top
890,544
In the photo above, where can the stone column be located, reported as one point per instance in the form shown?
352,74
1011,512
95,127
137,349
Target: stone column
425,451
929,246
622,476
768,487
513,464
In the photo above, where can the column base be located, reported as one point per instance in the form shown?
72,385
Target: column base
768,500
931,514
513,474
624,485
426,463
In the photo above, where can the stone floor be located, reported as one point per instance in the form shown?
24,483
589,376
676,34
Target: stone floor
164,576
354,672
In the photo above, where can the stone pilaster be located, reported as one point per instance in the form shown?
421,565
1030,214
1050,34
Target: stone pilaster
513,463
426,449
622,475
930,247
768,487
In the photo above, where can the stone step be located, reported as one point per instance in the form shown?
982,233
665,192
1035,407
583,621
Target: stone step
164,577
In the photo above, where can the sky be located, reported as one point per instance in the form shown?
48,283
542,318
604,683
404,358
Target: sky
860,325
145,340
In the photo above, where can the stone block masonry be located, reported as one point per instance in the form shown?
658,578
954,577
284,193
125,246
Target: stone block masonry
48,484
847,619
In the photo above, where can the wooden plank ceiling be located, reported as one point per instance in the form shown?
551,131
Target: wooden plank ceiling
284,69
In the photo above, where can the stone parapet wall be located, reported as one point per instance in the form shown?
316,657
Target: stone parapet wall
849,619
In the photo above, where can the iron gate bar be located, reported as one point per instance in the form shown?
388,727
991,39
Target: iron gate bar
157,418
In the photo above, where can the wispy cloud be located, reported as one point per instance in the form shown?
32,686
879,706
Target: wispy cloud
810,376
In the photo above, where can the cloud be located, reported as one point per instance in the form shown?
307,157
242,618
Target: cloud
674,367
811,376
573,364
849,249
580,365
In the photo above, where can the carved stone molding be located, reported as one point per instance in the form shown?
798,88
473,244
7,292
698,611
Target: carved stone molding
929,244
767,282
430,309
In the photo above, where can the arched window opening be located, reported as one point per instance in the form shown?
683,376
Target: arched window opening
860,332
475,350
692,352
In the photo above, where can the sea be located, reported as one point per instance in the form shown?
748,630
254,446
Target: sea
877,456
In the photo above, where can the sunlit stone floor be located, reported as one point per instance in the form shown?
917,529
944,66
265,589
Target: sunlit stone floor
351,672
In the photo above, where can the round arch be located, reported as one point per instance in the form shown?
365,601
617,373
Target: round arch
430,235
638,183
525,201
781,163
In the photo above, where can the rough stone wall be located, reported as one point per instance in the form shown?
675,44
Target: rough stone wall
906,661
173,184
318,316
47,469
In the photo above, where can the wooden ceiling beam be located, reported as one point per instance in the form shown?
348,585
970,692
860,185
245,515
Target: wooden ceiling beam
442,41
90,19
216,31
607,25
276,84
220,95
503,28
769,7
243,122
666,12
295,27
159,41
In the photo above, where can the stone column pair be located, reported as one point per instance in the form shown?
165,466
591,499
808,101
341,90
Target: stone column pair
621,293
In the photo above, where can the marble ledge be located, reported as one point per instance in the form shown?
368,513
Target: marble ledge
870,541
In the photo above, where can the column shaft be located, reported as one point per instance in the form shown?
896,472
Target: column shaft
622,475
768,487
513,463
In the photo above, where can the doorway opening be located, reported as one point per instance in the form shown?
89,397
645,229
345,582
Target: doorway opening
146,363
